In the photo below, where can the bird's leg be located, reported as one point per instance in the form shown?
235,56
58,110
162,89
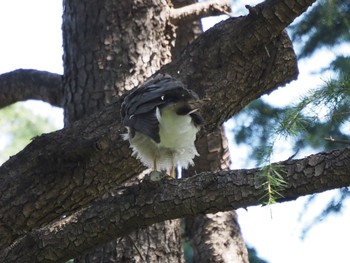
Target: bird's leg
172,172
155,164
172,169
155,175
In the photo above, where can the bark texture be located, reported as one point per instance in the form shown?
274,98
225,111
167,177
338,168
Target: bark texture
123,43
219,238
150,202
168,250
156,243
55,178
110,47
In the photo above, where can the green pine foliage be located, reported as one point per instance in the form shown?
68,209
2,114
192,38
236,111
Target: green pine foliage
341,64
325,25
322,113
320,119
18,126
316,121
273,182
253,256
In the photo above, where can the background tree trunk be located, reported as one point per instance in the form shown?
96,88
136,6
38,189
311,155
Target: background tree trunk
159,242
215,237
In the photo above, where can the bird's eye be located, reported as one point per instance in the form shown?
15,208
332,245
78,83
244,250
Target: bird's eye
162,97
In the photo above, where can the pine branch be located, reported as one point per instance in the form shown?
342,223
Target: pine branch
25,84
296,120
330,139
150,202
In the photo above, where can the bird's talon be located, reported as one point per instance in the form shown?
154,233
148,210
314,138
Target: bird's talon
168,177
155,176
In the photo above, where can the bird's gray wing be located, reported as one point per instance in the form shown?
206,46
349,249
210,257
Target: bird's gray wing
139,107
146,124
154,94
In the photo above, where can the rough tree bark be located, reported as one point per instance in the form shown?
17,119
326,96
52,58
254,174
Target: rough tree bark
151,202
220,234
110,47
46,191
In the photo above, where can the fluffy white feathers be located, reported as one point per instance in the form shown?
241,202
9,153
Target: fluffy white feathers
176,147
162,119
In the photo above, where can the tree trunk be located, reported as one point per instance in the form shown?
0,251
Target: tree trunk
159,242
217,238
111,47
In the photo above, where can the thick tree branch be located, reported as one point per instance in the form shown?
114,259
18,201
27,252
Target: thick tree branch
150,202
63,171
25,84
199,10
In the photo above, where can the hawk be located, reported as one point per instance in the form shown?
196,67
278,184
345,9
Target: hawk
162,118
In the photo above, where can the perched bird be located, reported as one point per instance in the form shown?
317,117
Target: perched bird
162,118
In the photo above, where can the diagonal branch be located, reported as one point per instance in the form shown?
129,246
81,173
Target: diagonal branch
226,59
151,202
200,10
25,84
65,170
